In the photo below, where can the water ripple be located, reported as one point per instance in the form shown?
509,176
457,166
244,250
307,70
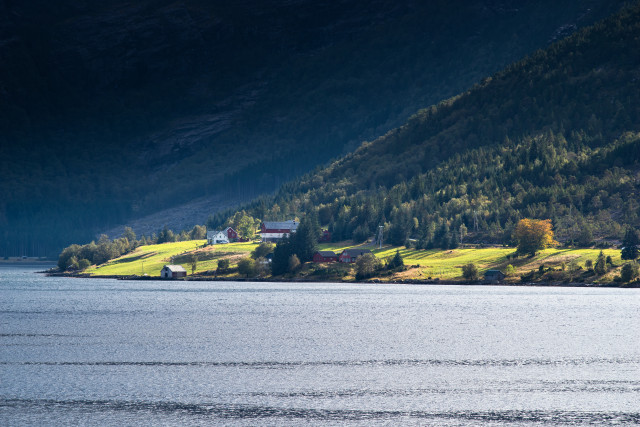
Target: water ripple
234,411
348,363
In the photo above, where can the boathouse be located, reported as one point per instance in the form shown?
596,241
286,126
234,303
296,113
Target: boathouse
170,271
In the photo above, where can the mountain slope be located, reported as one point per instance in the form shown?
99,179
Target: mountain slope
555,135
111,111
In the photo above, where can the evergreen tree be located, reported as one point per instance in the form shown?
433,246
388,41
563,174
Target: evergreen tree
630,244
129,234
629,271
281,254
305,239
397,260
601,265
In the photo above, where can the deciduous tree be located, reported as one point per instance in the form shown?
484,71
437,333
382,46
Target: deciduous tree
263,249
294,263
247,267
193,262
533,235
366,265
470,271
198,232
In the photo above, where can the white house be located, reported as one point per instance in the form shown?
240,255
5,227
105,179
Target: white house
217,237
173,272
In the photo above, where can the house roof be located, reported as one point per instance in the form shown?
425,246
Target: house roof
281,225
229,228
493,273
175,268
213,233
356,252
327,253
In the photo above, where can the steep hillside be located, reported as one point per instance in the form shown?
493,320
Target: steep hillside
555,135
114,110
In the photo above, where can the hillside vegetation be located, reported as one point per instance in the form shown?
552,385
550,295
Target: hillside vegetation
115,110
554,136
422,265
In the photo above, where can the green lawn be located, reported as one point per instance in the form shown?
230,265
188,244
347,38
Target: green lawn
448,264
150,259
444,264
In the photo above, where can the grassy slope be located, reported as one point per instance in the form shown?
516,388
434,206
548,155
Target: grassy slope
155,257
430,263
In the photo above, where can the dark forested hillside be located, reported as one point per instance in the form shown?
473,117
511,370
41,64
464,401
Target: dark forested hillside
555,135
113,110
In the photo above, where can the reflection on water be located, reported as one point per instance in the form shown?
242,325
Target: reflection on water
106,352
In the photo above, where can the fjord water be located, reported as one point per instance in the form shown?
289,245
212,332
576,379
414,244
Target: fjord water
108,352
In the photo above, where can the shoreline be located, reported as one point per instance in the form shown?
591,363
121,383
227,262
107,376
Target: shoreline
431,282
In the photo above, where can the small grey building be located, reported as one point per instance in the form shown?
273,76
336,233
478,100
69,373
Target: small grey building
494,276
173,272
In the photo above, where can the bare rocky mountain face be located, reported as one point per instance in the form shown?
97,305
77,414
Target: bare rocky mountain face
113,111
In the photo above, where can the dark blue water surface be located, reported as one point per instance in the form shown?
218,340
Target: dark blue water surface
107,352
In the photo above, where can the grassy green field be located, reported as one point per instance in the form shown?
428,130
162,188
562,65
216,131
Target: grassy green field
443,264
447,264
150,259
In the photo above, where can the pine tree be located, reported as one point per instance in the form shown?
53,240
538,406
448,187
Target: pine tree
630,245
397,260
305,239
601,265
281,254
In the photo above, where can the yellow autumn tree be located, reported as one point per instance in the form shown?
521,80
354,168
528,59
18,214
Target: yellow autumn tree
533,235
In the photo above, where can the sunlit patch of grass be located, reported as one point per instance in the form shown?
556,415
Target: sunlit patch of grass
422,264
150,259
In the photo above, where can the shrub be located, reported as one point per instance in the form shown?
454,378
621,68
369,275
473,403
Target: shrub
263,249
366,265
223,265
247,267
294,263
470,271
396,261
601,265
510,270
629,271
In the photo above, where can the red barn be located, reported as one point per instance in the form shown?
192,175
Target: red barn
272,231
326,236
350,255
232,234
325,256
